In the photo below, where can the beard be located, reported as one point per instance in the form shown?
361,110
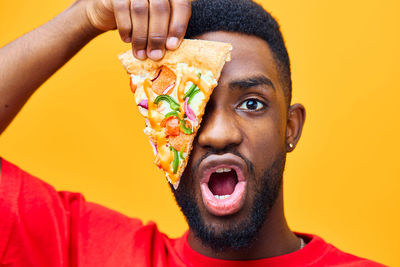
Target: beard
265,192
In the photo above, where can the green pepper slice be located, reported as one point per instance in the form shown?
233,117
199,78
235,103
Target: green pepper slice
175,162
193,94
182,125
181,152
184,128
170,100
191,89
172,113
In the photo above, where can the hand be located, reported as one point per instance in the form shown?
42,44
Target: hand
152,26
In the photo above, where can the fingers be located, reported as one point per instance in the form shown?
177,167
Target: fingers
123,19
140,20
180,15
158,28
152,26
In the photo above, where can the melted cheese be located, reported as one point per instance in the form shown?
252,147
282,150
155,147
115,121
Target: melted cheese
197,102
165,157
191,76
173,177
186,76
154,116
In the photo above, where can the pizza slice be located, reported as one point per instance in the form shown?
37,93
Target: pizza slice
172,95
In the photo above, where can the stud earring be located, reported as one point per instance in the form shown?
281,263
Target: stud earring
291,145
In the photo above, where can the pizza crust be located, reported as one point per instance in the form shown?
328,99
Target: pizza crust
206,55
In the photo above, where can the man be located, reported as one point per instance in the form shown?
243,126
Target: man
248,128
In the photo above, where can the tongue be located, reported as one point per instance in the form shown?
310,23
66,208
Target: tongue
223,183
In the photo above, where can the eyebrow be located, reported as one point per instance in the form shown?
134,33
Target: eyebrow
251,82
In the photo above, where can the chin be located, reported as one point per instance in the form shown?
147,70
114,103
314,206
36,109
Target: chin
235,230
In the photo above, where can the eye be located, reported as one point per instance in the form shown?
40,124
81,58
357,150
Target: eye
252,104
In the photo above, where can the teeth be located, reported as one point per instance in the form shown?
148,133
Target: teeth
220,170
221,197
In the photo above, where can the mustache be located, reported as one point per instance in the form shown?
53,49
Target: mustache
228,149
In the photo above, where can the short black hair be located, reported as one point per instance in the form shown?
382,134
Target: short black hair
247,17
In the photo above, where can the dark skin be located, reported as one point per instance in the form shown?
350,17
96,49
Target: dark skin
251,75
258,131
152,27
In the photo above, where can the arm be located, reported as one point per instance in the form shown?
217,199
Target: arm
30,60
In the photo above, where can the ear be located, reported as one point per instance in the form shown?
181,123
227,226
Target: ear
294,126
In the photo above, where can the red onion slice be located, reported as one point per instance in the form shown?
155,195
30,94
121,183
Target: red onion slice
189,112
168,88
144,104
154,146
158,74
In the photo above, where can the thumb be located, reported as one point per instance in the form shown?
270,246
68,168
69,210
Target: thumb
100,14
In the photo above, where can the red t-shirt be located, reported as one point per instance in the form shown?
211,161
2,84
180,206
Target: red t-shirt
42,227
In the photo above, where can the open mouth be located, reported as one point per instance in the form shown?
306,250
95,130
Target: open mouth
223,184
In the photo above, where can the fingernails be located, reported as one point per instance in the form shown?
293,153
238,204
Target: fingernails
141,54
172,43
155,54
127,39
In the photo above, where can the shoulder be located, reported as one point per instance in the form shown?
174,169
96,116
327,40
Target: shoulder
36,215
30,198
328,255
26,196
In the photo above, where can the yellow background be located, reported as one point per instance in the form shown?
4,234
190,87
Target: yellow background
81,131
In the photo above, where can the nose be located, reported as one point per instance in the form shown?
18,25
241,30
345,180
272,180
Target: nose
219,129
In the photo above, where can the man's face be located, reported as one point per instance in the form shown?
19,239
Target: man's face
235,170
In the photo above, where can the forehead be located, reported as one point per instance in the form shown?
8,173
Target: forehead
251,56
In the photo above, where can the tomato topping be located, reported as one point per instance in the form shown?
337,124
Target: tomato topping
133,86
164,122
166,77
172,125
179,141
188,124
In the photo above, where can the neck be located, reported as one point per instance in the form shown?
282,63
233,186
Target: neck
274,239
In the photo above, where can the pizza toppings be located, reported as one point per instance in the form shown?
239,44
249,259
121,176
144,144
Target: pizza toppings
185,128
189,112
173,104
154,147
172,94
181,155
169,89
179,142
158,71
133,86
190,91
144,104
175,119
171,125
164,157
172,113
175,162
191,96
164,79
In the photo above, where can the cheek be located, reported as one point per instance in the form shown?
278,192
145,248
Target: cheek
190,180
264,140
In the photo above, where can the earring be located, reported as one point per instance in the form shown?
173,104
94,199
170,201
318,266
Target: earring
291,145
